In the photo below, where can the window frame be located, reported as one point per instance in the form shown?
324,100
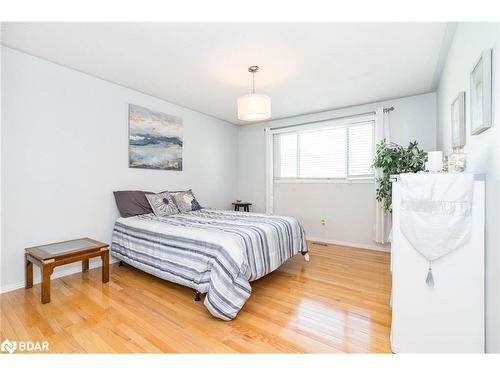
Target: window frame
320,125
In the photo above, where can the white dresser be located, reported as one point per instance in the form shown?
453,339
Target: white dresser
448,317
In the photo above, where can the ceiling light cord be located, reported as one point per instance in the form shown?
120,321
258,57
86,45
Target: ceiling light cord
253,69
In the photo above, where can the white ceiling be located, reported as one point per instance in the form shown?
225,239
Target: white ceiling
305,67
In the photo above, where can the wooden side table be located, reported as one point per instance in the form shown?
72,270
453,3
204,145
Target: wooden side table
244,205
47,257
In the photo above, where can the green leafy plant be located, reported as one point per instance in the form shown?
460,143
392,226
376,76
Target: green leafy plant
393,159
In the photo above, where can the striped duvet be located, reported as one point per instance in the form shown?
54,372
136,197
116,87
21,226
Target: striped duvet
215,252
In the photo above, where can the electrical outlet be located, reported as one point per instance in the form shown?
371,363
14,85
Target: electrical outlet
323,222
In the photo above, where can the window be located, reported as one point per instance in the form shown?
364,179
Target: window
360,146
338,151
288,155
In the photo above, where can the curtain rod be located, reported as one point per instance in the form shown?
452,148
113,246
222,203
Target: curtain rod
386,110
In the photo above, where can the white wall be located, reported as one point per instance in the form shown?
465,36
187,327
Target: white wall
1,174
348,211
483,151
347,208
65,150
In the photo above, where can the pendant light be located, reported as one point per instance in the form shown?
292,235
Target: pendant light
254,107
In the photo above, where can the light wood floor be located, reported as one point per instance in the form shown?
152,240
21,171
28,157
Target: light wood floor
338,302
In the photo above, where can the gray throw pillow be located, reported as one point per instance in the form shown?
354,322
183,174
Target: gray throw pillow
132,202
163,204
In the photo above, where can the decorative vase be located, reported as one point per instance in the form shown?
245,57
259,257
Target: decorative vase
445,163
457,162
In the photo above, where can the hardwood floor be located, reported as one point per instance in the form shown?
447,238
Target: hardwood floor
338,302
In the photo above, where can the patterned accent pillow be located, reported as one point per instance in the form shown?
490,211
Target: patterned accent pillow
185,201
163,204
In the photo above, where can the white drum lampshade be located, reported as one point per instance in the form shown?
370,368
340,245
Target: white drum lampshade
254,107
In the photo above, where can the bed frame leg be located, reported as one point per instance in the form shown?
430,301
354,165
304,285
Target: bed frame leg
306,257
120,264
197,297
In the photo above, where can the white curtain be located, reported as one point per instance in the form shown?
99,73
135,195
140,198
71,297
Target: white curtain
269,171
382,220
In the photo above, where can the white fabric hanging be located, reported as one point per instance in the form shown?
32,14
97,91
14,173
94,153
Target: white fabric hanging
382,219
436,213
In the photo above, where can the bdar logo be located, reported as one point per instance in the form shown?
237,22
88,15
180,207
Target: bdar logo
8,346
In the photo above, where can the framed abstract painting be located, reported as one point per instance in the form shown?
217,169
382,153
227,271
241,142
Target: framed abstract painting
481,94
155,139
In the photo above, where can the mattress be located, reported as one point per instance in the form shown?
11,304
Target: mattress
212,251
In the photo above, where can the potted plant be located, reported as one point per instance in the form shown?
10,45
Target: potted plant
394,159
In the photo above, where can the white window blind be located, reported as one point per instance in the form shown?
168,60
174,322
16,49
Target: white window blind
360,145
330,152
322,154
288,155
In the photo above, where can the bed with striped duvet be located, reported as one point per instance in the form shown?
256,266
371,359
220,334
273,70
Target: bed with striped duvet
212,251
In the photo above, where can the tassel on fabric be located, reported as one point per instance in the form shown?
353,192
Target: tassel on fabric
430,279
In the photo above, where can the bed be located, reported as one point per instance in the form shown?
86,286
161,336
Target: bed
212,251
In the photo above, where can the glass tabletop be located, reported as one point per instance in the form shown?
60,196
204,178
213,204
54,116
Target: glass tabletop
62,247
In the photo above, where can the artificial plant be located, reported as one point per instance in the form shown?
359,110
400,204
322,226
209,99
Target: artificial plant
393,159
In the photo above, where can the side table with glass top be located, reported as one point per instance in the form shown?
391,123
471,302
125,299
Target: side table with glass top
47,257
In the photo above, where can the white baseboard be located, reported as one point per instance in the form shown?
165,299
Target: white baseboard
57,274
350,244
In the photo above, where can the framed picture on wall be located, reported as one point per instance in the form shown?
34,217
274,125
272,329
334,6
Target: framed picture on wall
458,121
155,139
480,94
